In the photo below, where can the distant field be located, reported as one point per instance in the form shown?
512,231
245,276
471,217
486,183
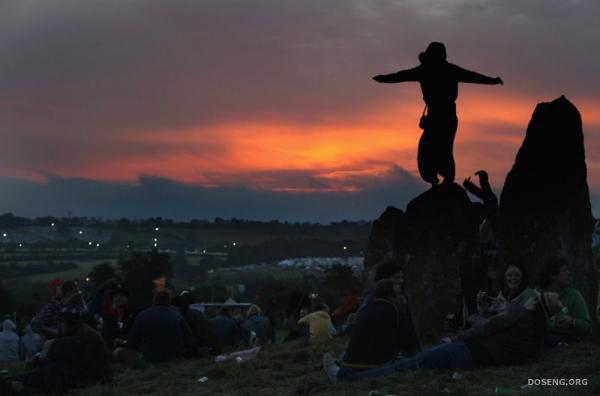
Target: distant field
258,274
84,267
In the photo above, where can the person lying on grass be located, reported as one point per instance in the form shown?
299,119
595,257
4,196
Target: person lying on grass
509,338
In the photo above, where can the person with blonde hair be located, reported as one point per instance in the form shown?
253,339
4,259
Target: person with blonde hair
258,324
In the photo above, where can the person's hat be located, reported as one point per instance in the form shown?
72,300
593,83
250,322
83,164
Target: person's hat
54,284
435,52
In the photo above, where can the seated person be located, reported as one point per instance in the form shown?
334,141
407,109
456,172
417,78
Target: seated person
514,290
348,306
31,342
392,269
299,331
158,334
9,342
117,317
205,336
78,358
259,324
226,328
379,334
319,323
508,338
45,322
573,322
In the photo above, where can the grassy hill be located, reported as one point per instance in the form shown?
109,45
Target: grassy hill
295,369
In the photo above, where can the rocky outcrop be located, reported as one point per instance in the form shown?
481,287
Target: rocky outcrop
443,229
436,239
545,208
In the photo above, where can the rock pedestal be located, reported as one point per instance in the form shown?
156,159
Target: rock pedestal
435,238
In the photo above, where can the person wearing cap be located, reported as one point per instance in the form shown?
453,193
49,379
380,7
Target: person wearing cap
439,83
573,322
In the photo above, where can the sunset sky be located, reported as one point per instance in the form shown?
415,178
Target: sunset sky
265,109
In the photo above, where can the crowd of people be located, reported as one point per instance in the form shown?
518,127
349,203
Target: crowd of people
510,327
73,342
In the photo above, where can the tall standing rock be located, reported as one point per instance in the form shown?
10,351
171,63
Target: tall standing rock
387,239
443,227
545,208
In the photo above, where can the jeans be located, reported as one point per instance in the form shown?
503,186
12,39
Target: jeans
454,355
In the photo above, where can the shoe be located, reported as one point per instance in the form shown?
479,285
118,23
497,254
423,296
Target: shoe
331,368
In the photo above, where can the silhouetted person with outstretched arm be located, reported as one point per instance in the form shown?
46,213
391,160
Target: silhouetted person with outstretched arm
439,84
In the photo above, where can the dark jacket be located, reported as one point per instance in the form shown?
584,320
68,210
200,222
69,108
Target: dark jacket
160,334
378,336
260,325
95,360
227,331
512,337
203,331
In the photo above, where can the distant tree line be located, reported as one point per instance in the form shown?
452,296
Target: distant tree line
14,270
9,220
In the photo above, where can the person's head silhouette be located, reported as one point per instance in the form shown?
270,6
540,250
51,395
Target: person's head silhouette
435,53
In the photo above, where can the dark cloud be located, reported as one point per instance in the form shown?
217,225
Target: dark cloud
153,196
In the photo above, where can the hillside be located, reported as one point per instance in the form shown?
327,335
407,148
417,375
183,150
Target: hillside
295,369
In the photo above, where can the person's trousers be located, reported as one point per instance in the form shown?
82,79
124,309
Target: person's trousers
450,356
435,150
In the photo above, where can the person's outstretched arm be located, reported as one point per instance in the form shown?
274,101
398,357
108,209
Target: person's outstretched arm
467,76
401,76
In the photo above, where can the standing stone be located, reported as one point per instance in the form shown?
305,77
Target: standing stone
545,208
387,239
443,228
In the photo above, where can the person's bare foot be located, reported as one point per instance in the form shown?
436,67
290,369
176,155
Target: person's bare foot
331,368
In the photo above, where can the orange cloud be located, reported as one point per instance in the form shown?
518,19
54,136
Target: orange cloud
335,153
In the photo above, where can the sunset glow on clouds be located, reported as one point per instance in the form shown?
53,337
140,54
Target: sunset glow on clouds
273,97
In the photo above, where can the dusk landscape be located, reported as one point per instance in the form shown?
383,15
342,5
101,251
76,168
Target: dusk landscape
261,197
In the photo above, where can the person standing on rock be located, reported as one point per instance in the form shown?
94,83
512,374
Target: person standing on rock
439,83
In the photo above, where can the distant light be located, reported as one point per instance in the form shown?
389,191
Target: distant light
156,229
233,244
90,243
80,232
156,245
4,235
20,245
51,224
155,239
97,245
204,252
345,247
87,279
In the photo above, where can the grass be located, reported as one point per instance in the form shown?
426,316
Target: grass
295,369
257,274
83,268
